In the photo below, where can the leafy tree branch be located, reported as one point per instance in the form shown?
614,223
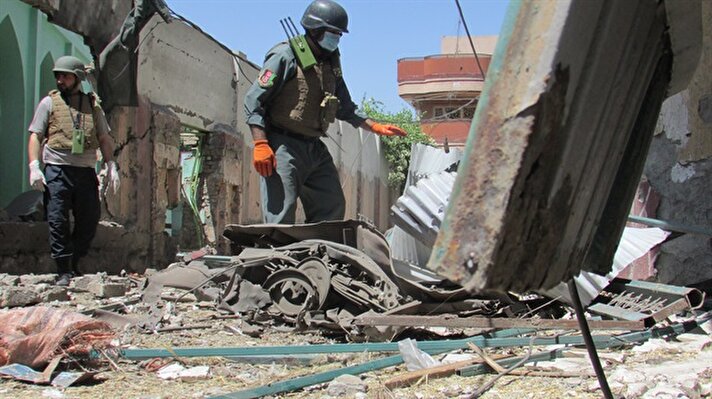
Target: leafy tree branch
397,149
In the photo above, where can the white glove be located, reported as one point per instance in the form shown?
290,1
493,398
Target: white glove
37,179
113,175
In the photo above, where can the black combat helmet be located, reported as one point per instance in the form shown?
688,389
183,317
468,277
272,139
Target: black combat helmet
325,14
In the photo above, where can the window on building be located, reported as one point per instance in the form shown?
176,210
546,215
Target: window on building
468,113
452,112
438,112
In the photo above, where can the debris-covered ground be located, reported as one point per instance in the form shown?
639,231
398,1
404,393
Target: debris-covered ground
666,367
323,310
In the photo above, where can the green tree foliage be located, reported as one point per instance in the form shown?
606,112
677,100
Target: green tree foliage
397,149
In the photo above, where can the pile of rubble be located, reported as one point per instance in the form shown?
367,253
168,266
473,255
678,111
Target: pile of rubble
325,310
31,289
320,276
336,309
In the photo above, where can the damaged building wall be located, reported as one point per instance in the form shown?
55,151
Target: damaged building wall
223,184
29,45
192,75
364,173
208,99
81,18
187,81
679,168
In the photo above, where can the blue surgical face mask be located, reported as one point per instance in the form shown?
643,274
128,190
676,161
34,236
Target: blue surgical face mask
330,41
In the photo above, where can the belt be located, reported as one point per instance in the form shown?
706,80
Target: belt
297,136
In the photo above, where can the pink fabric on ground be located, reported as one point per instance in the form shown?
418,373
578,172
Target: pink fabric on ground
33,336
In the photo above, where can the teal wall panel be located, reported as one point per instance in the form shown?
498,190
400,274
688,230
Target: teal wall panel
29,44
12,109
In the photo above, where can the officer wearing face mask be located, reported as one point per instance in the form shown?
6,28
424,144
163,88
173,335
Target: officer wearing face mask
289,110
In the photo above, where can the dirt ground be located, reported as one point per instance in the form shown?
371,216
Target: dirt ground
130,379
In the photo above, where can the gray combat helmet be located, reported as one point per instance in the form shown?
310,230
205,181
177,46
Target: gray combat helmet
70,64
323,14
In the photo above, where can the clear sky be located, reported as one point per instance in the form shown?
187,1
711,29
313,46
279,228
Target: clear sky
381,32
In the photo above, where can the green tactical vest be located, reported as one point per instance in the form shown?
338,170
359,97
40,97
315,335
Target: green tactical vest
60,126
307,103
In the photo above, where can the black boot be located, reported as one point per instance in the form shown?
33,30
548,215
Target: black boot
75,266
63,271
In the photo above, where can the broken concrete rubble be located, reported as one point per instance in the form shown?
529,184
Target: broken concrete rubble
248,369
345,385
110,288
12,297
32,279
53,293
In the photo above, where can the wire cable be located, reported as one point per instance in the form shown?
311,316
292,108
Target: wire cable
469,37
229,51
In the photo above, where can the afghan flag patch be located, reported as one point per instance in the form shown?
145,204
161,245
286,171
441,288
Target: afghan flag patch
266,78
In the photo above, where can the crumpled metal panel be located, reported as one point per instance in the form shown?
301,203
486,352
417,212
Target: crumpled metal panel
425,161
421,209
370,249
557,145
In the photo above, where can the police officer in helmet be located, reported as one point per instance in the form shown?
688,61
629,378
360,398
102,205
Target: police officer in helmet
289,109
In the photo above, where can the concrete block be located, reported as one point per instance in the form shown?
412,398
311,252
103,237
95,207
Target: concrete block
346,385
662,391
82,283
9,279
42,287
704,109
18,296
636,390
34,279
107,289
55,293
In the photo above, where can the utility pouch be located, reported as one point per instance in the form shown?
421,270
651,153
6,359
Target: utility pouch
301,49
328,109
78,141
299,44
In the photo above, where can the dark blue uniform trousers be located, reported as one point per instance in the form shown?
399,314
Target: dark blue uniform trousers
305,171
75,189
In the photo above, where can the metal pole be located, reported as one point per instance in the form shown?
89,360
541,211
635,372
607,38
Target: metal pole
590,345
665,225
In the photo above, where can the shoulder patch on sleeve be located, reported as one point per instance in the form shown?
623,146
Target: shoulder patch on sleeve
266,78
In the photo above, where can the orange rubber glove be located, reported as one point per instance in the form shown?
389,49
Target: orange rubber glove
387,130
263,158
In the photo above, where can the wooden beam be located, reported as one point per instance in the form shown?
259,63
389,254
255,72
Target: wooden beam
445,370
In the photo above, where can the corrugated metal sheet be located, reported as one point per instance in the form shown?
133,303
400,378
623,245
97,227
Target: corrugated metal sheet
634,243
418,216
420,211
425,162
407,249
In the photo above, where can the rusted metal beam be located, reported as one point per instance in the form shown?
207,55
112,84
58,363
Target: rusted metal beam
500,322
557,144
